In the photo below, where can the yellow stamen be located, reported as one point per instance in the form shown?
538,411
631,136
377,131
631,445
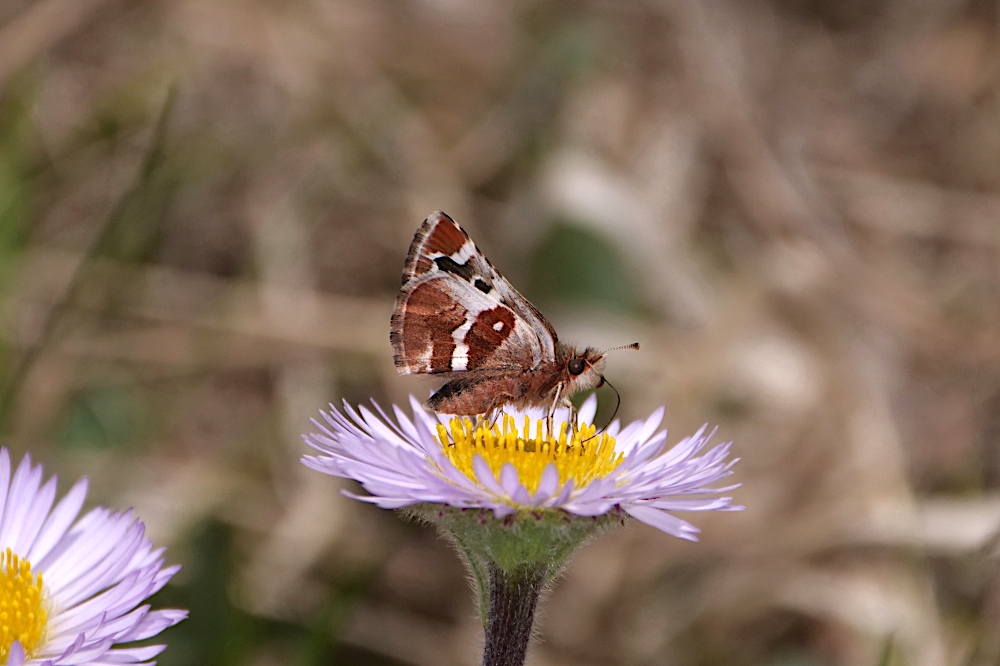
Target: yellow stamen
22,614
580,455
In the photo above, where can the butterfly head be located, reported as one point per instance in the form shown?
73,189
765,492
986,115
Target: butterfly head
583,369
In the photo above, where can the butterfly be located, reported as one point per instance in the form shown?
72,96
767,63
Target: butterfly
456,317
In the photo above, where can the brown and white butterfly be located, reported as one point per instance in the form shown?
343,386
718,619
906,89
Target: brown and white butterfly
458,318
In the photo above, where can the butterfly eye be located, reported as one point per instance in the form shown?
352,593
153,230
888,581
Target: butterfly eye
575,366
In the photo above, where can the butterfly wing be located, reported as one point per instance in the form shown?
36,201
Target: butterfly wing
456,314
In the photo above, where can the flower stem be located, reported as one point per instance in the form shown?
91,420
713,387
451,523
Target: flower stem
513,597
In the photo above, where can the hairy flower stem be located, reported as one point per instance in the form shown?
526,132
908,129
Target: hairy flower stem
512,600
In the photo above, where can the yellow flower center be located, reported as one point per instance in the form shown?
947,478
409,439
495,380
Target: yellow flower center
581,455
22,616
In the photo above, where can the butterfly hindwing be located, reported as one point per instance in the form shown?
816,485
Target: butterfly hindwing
456,317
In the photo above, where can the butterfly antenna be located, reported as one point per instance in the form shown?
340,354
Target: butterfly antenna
618,404
634,345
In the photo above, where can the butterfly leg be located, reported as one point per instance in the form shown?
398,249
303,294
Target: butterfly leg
487,418
491,417
549,415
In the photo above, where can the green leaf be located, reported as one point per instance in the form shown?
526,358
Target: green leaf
575,266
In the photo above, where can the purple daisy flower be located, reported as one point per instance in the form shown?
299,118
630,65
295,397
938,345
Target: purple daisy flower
514,465
70,590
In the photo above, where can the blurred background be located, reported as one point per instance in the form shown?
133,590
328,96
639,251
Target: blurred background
791,204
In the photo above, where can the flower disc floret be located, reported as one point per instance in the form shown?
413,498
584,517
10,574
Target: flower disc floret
23,617
579,454
433,459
